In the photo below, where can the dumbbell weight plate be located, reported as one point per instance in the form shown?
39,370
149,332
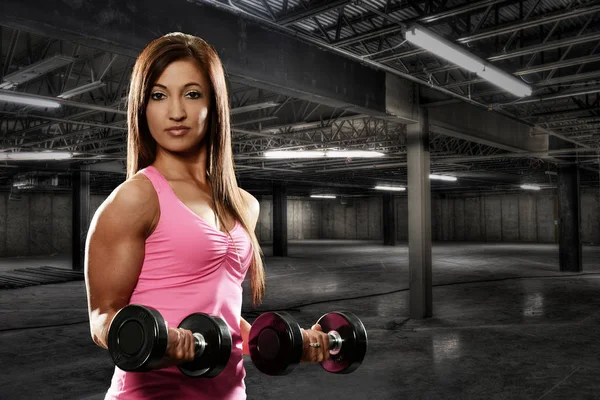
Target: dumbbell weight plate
137,338
354,336
275,343
218,345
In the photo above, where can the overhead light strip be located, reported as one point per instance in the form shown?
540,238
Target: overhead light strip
30,101
390,188
35,155
530,187
275,154
453,53
88,87
442,177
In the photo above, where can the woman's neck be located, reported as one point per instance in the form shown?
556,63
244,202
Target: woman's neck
175,166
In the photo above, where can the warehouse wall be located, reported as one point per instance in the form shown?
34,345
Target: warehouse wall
510,218
492,218
325,219
40,223
502,218
37,223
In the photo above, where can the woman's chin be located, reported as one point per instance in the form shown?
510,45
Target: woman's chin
183,151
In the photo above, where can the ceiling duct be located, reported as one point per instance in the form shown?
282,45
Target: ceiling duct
35,70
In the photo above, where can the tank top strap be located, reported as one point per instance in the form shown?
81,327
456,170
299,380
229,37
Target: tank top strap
161,185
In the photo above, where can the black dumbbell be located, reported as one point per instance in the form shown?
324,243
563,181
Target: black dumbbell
138,335
276,345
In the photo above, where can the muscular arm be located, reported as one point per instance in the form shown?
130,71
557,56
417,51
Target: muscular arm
115,252
253,208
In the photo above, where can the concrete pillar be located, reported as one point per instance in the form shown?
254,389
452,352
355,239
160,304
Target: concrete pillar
280,245
419,218
80,182
569,218
389,220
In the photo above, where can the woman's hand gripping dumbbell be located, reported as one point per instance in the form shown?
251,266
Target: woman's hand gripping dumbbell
139,340
277,344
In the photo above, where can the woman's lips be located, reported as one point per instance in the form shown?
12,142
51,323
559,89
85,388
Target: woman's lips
178,131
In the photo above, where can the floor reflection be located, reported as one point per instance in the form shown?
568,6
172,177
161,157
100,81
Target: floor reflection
533,305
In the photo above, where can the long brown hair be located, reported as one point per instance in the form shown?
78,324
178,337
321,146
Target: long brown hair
141,146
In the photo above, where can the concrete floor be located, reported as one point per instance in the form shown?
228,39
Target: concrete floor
506,325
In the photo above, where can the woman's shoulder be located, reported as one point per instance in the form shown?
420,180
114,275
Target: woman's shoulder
135,191
134,198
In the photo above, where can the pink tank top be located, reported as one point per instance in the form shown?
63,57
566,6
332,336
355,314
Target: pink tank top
189,266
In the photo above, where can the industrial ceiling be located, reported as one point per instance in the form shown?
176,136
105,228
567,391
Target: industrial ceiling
553,45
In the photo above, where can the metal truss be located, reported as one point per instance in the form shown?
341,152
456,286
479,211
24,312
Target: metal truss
519,36
553,45
441,147
353,132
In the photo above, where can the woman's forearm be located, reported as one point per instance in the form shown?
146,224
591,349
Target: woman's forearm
245,331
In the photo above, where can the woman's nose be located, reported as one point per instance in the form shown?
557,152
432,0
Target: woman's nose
177,110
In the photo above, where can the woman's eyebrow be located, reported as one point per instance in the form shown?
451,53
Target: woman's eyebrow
186,85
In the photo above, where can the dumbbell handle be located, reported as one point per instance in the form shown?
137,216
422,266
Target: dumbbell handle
335,342
200,343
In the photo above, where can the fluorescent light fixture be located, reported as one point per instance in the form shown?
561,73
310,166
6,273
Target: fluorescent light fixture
391,188
443,48
505,81
442,177
530,187
294,154
317,153
457,55
88,87
30,101
353,153
322,196
35,70
253,107
24,183
36,156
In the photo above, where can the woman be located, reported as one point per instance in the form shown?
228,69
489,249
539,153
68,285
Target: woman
178,234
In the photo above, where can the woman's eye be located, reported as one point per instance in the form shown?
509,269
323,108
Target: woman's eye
157,96
194,95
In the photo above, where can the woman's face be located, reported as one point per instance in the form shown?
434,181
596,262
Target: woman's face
178,107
